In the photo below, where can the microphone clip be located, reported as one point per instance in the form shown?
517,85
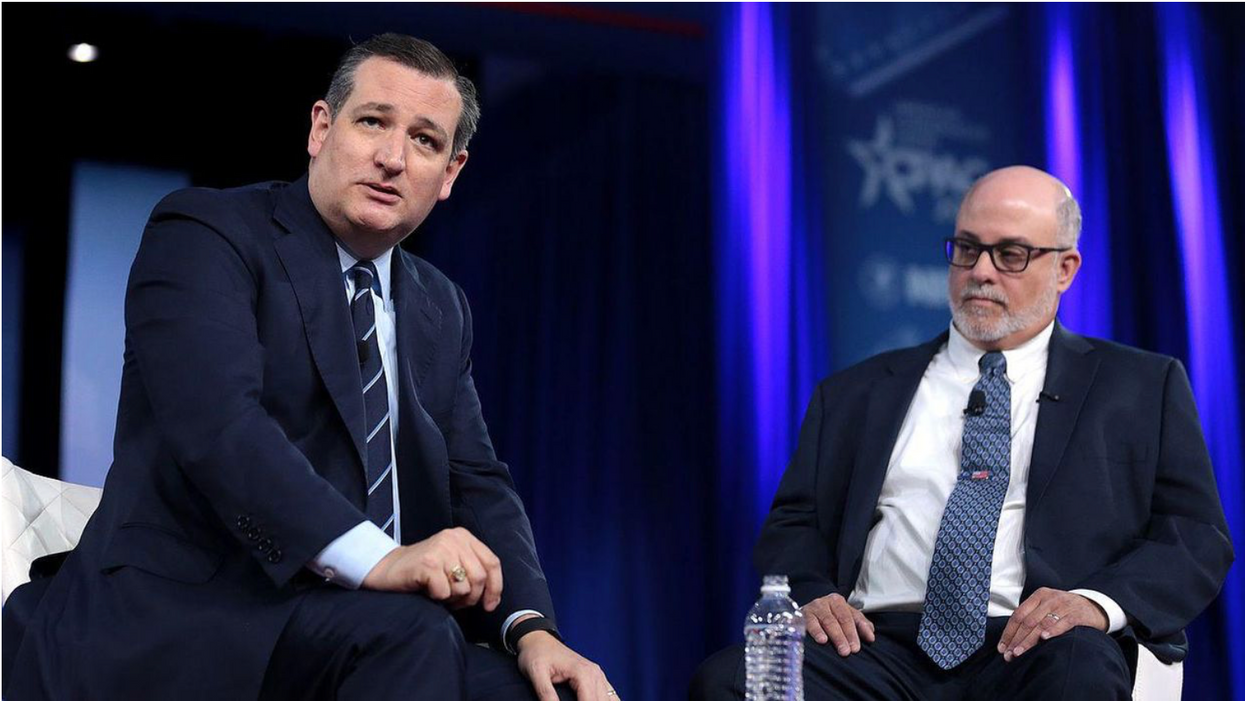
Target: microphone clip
976,403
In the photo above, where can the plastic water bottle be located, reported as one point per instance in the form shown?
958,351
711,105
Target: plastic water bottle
774,645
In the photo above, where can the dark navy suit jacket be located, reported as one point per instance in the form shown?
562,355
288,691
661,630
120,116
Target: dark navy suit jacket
1121,496
239,454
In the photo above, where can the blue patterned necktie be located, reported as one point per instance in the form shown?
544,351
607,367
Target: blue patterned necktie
375,397
953,623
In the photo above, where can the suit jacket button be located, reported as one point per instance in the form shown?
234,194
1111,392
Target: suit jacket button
253,534
264,545
244,522
274,557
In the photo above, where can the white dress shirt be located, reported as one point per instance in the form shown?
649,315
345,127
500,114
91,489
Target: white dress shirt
351,556
922,472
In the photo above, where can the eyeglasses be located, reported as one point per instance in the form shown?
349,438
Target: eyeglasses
1008,257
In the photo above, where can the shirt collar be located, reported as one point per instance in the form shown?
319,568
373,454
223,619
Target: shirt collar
1021,360
382,262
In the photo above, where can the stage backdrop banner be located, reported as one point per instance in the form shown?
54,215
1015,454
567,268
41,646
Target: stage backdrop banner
916,102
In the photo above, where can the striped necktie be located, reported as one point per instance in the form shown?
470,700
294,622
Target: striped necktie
953,622
375,396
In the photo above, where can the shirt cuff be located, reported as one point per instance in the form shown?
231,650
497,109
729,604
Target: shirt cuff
505,627
351,556
1116,620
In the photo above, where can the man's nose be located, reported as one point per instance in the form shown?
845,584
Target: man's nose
984,268
391,154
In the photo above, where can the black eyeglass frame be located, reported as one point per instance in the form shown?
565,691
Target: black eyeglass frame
950,243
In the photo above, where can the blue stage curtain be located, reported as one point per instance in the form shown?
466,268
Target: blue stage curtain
580,234
1165,191
1076,154
771,313
1193,139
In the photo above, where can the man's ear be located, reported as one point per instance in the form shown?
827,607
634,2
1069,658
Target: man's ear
452,169
1069,264
321,120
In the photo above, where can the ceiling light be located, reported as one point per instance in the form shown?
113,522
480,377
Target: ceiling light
83,53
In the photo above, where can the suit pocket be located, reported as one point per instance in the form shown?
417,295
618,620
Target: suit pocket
161,552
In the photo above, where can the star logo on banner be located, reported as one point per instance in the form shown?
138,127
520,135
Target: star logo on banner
884,166
902,172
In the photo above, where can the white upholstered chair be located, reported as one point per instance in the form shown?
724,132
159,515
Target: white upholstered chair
1156,680
38,516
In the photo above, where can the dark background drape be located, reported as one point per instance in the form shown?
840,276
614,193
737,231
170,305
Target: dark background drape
593,354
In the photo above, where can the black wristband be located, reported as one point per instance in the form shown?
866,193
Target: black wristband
526,626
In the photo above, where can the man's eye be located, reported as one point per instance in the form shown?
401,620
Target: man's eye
369,121
1013,254
425,140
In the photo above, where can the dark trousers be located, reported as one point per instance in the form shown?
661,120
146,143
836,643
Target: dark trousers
1081,664
341,644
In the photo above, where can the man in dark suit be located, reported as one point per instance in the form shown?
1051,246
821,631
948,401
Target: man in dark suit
1005,511
305,502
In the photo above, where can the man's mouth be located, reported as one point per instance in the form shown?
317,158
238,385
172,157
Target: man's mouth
387,193
983,301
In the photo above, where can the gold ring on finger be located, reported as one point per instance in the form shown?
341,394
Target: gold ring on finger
459,574
611,692
1054,616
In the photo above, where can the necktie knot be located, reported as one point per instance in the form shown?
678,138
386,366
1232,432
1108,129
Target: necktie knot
993,361
363,275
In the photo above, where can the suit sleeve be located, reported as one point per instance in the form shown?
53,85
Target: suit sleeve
191,329
792,541
1176,567
484,500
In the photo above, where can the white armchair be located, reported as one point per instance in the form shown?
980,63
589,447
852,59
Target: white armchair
38,516
1156,680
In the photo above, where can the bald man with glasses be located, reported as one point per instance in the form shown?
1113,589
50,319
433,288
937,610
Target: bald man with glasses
1006,511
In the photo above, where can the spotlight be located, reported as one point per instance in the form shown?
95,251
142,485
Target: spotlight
83,53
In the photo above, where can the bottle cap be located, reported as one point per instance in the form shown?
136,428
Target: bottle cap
775,583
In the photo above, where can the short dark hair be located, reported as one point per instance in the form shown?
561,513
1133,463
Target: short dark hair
412,53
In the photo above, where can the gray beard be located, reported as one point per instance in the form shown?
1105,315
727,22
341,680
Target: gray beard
978,326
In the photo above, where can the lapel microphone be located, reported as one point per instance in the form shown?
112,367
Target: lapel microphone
1047,396
976,403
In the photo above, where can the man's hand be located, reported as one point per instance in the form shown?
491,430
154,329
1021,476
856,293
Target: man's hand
1044,615
429,566
545,661
831,618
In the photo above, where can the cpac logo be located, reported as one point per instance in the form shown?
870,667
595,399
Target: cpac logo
905,172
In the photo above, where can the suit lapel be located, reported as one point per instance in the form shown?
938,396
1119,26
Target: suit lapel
888,403
310,259
421,446
1070,370
419,321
